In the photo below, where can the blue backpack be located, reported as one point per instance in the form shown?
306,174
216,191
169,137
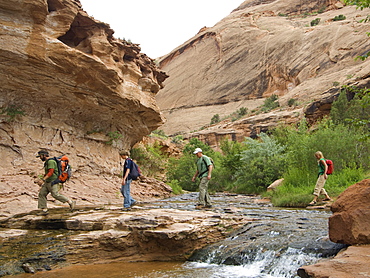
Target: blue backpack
135,171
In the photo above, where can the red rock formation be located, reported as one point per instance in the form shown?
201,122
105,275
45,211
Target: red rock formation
350,223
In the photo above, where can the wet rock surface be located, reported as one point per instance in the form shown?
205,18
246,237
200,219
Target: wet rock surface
164,230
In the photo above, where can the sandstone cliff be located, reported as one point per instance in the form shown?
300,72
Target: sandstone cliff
263,48
69,86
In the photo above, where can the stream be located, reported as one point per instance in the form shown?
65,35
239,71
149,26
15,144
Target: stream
275,245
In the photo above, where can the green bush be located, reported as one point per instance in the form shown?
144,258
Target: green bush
292,102
12,112
242,111
150,160
339,17
263,162
176,188
215,119
270,103
315,22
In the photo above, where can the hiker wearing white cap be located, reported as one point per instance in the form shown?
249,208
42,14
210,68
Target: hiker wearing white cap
204,171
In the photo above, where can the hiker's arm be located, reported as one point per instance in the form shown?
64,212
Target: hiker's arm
48,174
195,176
210,168
126,175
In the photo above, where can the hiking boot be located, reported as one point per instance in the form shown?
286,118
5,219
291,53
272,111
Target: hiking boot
43,212
126,209
208,206
72,205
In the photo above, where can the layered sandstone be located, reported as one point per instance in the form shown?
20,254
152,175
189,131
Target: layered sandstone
69,86
263,48
349,224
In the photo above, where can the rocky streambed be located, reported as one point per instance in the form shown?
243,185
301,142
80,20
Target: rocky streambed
237,230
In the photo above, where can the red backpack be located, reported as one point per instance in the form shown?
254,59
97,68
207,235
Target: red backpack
64,169
330,166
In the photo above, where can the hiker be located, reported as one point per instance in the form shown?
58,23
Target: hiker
322,176
204,172
128,201
47,186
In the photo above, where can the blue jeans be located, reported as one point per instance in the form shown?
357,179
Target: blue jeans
125,190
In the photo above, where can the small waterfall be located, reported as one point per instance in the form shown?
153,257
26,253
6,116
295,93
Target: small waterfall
274,246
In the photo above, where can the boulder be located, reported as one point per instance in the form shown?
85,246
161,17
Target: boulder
350,222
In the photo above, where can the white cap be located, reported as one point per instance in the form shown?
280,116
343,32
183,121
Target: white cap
197,150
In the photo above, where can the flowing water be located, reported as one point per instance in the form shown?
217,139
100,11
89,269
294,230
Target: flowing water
274,245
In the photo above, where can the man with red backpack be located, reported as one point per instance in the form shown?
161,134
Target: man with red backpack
47,183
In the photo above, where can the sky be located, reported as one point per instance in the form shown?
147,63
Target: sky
159,26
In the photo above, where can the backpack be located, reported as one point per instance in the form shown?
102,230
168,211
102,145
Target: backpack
330,166
135,171
64,169
213,164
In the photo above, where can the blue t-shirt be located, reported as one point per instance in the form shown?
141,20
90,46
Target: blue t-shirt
126,166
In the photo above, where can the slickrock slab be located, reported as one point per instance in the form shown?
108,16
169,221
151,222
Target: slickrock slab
351,263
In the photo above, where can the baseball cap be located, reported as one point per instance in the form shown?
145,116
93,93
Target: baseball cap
197,150
42,152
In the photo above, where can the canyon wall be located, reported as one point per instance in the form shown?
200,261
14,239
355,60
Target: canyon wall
69,86
263,48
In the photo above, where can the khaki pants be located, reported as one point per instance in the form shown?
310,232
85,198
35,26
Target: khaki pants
47,188
319,187
204,198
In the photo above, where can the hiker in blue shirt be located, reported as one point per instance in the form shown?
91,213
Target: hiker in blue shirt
128,201
204,171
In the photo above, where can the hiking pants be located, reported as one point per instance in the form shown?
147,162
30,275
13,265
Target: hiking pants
319,187
128,201
204,198
47,188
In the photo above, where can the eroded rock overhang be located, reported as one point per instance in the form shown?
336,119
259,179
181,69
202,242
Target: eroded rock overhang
64,70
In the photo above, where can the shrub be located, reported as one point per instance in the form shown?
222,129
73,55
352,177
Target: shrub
339,17
215,119
263,163
176,188
242,111
270,103
150,159
315,22
114,136
12,111
292,102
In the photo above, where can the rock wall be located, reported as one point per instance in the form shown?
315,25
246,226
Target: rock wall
263,48
69,86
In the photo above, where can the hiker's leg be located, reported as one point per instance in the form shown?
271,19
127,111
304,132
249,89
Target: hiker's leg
56,195
125,190
42,201
207,198
203,185
319,185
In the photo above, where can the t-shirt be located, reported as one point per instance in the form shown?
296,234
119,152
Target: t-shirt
321,166
51,164
126,166
202,165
